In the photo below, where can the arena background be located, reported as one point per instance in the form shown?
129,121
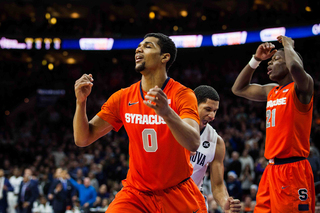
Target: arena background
37,84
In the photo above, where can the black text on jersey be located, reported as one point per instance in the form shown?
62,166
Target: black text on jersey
199,158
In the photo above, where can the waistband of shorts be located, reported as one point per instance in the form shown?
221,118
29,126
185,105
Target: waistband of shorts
185,180
279,161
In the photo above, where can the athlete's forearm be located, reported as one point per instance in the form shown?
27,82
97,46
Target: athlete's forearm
243,80
292,58
295,67
186,131
81,125
220,194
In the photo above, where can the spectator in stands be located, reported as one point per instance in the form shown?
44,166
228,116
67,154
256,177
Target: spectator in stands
234,185
93,181
246,159
87,193
28,192
5,186
15,181
235,164
247,177
62,192
248,206
42,207
314,161
253,192
102,194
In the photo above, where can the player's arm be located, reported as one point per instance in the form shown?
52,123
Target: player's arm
219,190
243,87
185,131
86,132
304,84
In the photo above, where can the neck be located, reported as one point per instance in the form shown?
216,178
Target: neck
150,80
285,80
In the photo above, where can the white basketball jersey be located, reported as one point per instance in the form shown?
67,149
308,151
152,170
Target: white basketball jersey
204,155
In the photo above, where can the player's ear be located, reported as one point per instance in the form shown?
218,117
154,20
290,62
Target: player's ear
165,57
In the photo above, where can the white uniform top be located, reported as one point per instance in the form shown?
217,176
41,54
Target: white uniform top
204,155
15,182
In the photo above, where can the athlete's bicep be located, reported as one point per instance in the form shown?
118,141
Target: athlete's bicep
256,92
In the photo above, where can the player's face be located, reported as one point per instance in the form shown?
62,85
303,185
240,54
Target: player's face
148,55
277,69
207,112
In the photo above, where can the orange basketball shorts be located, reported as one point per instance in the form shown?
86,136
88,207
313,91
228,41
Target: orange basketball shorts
185,197
287,187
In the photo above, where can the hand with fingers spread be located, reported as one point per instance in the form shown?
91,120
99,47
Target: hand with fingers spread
159,99
286,41
232,205
264,51
83,87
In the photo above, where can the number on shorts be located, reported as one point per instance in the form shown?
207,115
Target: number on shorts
149,138
272,116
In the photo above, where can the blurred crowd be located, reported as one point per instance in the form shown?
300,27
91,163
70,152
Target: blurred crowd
118,18
39,137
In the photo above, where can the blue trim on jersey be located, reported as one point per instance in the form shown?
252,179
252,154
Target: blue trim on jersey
284,85
163,86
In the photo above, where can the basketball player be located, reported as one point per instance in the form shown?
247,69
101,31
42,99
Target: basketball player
287,182
211,150
161,119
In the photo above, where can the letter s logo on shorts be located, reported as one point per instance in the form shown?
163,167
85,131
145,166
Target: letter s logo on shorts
303,194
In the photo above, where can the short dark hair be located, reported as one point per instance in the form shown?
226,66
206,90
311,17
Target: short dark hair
204,92
166,45
282,49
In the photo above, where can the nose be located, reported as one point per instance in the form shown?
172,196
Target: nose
270,62
138,50
211,115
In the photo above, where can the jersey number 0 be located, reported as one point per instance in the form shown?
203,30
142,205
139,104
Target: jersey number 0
149,138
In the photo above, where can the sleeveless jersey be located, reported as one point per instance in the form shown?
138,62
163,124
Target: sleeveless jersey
204,155
288,124
157,161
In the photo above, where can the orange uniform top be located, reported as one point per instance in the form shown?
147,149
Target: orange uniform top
288,124
157,161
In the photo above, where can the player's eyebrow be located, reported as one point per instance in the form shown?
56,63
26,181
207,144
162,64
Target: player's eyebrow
147,42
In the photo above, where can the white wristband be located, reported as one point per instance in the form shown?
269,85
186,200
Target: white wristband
253,63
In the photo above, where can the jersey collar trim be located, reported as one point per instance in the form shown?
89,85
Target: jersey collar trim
163,86
202,130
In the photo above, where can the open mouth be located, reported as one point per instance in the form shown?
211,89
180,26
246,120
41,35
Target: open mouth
138,58
269,71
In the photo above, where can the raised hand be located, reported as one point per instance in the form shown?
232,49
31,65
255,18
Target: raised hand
58,187
264,52
157,100
83,86
285,41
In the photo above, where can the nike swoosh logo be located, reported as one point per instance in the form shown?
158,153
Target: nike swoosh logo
130,104
196,211
283,187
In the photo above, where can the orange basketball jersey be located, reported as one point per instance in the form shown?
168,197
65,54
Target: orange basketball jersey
157,161
288,124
